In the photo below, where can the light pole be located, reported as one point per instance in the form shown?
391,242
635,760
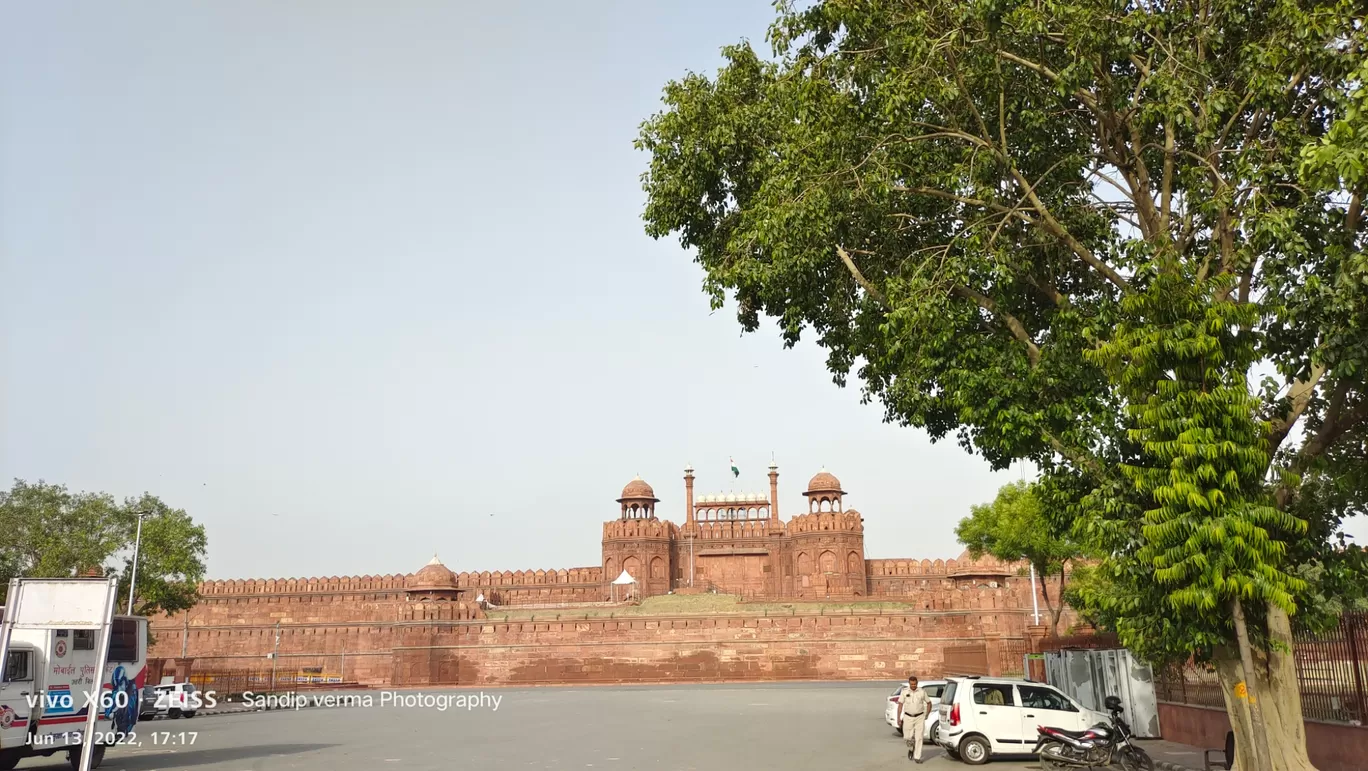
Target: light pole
133,579
1035,602
275,657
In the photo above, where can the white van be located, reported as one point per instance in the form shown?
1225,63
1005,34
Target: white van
47,676
985,716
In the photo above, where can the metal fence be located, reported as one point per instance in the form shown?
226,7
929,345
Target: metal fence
236,682
1332,675
1013,656
1332,669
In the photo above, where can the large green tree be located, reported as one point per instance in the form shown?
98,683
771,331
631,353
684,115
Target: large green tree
1016,526
47,530
1078,233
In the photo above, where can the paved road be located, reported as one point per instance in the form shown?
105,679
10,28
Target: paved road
792,727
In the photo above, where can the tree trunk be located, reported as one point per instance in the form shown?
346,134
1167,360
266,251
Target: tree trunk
1271,693
1249,693
1283,712
1057,611
1054,609
1231,675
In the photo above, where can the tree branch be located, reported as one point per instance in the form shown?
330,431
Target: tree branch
1056,229
1083,96
1300,395
1048,289
1338,420
1013,323
869,288
1083,461
1166,195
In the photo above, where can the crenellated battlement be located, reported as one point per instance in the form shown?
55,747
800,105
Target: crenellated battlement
441,611
639,528
329,585
344,585
499,578
984,566
828,521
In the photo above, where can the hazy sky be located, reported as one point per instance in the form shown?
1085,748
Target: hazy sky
357,282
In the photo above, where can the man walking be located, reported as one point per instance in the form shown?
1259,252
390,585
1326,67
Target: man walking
915,703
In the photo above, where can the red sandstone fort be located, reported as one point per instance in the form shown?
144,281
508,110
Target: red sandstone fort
437,627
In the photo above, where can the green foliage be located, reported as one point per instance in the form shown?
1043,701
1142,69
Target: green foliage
1019,525
1016,526
46,530
1069,232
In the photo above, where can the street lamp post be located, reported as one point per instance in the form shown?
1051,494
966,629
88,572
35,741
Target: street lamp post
133,578
275,657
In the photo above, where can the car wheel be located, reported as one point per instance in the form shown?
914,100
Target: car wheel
9,759
191,713
935,733
974,750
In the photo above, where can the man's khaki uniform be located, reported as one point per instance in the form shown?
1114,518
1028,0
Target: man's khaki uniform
915,704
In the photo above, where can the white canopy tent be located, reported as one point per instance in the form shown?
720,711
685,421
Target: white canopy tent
623,580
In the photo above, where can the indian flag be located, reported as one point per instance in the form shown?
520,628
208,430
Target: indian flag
736,472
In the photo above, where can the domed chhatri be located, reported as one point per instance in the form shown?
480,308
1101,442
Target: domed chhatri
638,500
824,492
433,577
825,482
638,490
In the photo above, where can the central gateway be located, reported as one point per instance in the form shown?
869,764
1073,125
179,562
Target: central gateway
745,572
736,543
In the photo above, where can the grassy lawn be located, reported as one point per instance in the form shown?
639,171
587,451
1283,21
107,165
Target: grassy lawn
695,605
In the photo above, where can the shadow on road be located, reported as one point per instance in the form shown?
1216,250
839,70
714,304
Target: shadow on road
192,757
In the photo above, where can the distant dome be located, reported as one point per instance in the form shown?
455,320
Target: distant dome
433,575
637,490
825,482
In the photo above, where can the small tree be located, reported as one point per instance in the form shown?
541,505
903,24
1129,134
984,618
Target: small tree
1016,527
49,531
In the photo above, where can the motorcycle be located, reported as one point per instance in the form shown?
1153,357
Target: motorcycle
1100,746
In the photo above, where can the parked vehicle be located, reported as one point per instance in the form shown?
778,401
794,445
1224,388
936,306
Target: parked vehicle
46,677
174,700
985,716
893,708
1098,746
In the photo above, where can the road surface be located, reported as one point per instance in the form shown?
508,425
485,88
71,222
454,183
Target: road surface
788,727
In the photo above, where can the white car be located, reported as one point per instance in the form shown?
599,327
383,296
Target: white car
172,700
893,709
985,716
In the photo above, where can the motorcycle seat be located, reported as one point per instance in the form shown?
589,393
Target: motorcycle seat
1067,732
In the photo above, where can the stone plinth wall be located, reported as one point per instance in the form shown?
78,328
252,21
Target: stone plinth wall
438,651
752,648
